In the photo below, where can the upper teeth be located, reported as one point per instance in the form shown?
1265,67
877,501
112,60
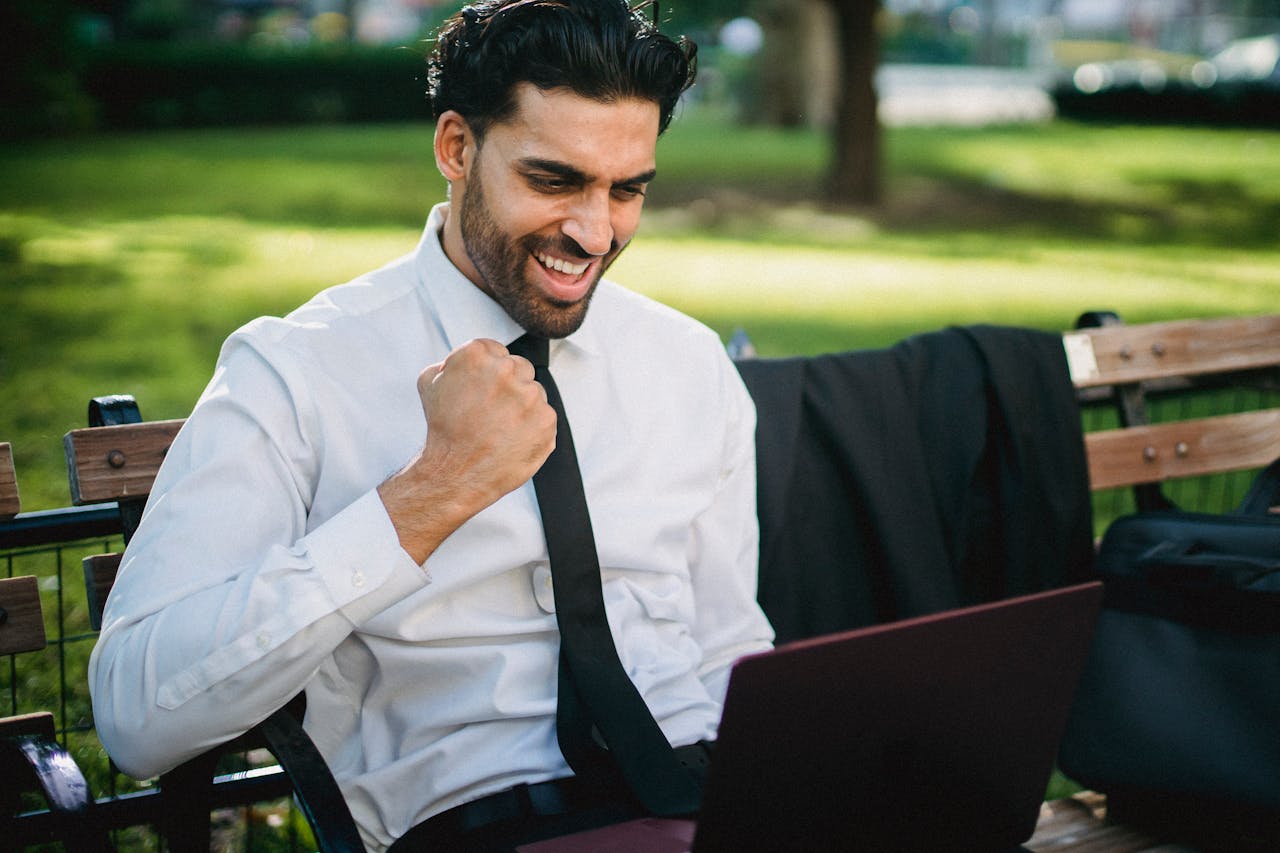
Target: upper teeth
562,266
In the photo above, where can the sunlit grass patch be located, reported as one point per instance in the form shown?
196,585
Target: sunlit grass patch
870,295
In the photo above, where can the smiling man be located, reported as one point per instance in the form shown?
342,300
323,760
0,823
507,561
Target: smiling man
357,506
564,225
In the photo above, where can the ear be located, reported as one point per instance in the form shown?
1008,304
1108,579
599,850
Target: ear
454,145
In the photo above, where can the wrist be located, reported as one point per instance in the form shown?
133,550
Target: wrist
423,510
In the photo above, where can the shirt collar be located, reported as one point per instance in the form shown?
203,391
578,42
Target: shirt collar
466,312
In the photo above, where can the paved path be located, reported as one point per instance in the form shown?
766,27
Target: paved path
962,95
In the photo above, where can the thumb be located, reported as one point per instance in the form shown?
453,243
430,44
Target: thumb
431,371
428,376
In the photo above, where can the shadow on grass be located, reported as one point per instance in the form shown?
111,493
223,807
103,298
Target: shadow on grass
1220,214
1216,214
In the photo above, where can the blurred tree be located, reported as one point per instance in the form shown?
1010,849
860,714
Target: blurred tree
855,176
779,67
699,20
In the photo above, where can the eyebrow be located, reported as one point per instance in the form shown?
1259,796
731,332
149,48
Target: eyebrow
564,170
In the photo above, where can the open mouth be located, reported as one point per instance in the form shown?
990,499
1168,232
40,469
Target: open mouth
561,265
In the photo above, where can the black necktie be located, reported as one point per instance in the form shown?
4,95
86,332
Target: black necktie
596,697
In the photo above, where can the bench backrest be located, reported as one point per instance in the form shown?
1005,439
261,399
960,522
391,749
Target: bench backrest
21,622
21,617
34,763
22,630
1132,364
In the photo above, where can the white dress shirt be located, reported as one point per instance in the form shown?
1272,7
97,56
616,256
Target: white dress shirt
265,562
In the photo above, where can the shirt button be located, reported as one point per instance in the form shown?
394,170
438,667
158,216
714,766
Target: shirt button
357,579
543,588
264,640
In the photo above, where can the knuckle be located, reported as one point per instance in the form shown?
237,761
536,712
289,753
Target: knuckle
474,351
548,421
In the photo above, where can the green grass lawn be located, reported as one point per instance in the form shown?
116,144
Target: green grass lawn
126,259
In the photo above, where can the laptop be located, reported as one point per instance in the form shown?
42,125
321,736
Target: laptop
937,733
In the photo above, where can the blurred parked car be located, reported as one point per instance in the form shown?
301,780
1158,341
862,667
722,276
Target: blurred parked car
1238,85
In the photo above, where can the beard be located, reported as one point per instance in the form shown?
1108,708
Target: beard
502,263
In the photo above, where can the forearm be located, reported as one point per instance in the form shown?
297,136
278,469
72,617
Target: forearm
146,735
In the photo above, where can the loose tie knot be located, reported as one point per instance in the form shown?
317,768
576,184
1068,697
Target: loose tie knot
536,348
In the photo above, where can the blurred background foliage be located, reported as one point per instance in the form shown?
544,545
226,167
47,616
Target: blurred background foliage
76,65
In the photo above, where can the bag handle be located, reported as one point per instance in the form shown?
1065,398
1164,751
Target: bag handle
1187,564
1202,588
1264,495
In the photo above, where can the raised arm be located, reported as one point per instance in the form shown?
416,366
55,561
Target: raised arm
268,539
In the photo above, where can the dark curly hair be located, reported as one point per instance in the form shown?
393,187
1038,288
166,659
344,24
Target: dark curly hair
599,49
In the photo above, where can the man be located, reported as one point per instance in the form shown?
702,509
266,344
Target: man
348,510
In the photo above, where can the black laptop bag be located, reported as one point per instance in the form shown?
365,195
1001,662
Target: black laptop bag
1180,702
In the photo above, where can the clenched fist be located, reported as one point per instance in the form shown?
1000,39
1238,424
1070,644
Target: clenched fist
489,428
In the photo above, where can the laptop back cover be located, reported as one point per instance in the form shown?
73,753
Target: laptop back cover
933,733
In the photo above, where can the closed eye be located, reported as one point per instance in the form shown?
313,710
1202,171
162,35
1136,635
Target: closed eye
550,183
626,192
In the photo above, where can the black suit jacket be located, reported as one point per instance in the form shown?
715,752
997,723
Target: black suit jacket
943,471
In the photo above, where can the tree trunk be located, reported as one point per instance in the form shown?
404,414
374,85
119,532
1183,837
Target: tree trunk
855,178
780,69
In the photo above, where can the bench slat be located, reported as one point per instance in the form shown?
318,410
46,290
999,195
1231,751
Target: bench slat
1159,452
1078,824
38,724
99,576
10,505
1119,354
116,462
23,627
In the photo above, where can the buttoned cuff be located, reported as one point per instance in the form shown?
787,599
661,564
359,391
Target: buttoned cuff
358,556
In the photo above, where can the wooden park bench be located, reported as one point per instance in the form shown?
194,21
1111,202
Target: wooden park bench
1214,388
1132,366
1123,372
35,769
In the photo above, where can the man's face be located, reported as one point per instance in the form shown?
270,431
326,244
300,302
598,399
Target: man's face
551,198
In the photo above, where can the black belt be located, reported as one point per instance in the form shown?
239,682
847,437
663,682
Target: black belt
549,799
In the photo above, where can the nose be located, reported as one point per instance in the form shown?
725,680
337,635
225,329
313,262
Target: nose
590,224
